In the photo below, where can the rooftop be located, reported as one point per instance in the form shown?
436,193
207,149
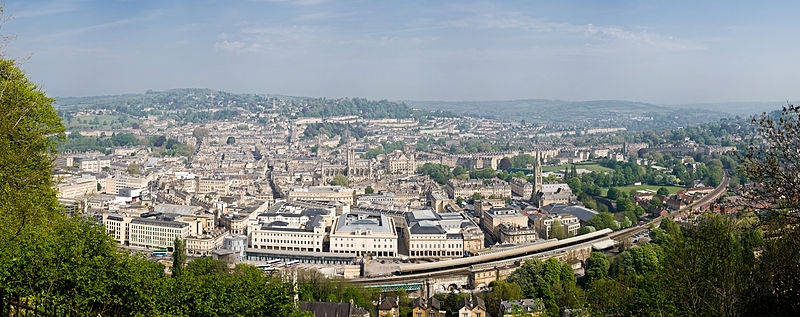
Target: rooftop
357,221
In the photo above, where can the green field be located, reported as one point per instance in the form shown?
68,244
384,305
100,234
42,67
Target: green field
594,167
95,122
627,189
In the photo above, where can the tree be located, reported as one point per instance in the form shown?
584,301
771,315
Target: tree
612,193
458,170
483,173
231,140
601,221
99,187
550,280
178,256
133,169
636,261
586,229
662,191
625,204
575,184
596,266
200,133
476,196
369,190
557,230
638,211
609,297
159,141
501,291
771,161
71,265
708,268
657,202
504,164
339,180
123,139
26,125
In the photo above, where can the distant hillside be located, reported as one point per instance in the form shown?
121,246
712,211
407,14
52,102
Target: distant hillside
628,114
188,102
737,108
174,99
543,109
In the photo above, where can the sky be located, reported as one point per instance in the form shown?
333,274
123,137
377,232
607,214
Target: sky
665,52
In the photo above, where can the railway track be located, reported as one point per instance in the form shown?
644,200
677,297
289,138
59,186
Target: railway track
714,195
410,276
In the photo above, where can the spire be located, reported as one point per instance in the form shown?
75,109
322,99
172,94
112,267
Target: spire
537,189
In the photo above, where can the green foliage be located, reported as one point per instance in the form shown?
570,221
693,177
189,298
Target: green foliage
624,203
707,268
321,107
586,229
29,132
504,164
331,129
597,266
439,172
78,142
476,196
612,193
558,231
230,140
602,221
339,180
550,280
313,286
369,190
485,173
636,261
575,185
458,170
522,161
159,141
71,264
200,133
609,297
124,139
133,169
178,256
501,291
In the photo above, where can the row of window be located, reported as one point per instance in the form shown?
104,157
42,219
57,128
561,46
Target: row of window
375,246
435,246
286,241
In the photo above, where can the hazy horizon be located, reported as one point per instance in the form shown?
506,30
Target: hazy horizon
672,53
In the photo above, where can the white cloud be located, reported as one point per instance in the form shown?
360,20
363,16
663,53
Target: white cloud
608,35
44,9
237,47
150,15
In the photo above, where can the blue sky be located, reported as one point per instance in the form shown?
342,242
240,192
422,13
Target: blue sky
651,51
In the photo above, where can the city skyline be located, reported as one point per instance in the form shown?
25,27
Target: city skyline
674,53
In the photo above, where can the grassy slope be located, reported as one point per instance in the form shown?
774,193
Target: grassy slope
627,189
591,167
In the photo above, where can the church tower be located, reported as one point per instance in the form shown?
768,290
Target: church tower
351,161
537,187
